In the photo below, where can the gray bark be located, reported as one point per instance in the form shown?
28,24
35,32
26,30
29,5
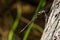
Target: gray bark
52,28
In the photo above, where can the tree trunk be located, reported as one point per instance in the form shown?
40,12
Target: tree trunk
52,29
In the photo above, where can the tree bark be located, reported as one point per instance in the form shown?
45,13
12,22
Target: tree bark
52,28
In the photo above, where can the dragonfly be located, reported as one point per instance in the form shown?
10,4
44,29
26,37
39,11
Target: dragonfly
45,10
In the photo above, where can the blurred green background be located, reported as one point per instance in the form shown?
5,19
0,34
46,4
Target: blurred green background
15,15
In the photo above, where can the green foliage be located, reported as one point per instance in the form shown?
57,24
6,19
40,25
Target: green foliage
40,7
15,24
27,32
